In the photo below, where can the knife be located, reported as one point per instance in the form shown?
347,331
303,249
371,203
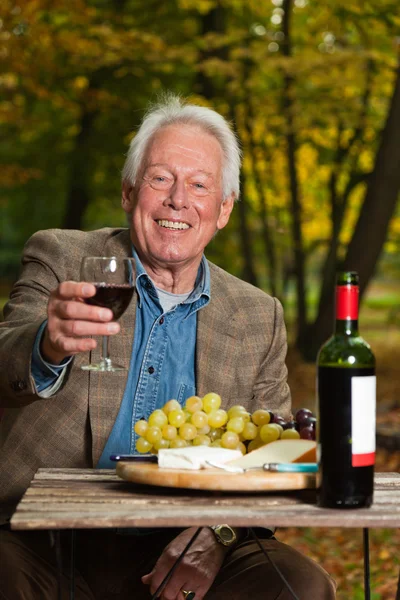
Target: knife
271,467
152,458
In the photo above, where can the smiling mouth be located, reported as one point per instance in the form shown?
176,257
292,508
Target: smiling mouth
175,225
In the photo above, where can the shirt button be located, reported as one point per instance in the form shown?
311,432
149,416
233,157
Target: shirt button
161,320
151,370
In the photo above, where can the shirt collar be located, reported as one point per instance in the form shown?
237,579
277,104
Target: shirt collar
201,291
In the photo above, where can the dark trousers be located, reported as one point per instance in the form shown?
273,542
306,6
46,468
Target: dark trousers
109,567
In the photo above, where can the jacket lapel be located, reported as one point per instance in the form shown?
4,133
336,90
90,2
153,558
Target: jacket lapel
216,335
106,390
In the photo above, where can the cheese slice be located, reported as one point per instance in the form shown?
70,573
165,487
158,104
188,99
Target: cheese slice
194,457
280,451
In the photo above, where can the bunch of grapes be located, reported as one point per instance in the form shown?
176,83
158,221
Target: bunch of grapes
202,422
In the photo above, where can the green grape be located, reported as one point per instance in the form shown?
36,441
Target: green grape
238,411
254,444
269,433
216,444
143,446
235,424
188,415
171,405
261,417
215,434
187,431
230,439
194,404
161,444
199,419
141,427
279,427
241,447
201,440
153,434
158,418
176,418
169,432
217,418
204,430
290,434
211,402
250,431
178,443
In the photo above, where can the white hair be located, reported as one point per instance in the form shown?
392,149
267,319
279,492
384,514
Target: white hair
172,110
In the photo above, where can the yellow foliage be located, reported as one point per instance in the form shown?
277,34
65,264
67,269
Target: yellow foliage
366,160
202,6
395,226
13,175
8,81
80,82
392,247
317,228
307,161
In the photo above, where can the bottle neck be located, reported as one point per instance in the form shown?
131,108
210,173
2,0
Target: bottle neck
346,327
347,310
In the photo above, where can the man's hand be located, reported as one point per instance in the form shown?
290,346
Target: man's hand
70,320
197,570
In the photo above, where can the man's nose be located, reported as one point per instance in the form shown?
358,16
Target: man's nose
178,197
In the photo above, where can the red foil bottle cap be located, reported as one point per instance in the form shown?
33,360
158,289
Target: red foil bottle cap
347,302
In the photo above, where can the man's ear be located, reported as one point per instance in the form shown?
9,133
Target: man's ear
127,196
225,211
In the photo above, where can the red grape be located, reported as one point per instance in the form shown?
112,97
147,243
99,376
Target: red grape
279,421
303,413
307,433
308,422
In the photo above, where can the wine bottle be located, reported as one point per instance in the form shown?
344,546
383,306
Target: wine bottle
346,405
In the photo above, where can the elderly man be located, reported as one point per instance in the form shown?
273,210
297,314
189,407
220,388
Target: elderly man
191,328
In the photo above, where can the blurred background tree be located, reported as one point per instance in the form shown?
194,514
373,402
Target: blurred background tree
313,91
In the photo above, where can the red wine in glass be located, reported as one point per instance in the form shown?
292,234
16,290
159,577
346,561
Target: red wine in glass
113,279
113,296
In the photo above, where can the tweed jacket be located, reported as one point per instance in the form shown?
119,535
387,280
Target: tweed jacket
240,353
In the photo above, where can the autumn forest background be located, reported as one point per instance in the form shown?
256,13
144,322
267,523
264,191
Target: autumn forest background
313,91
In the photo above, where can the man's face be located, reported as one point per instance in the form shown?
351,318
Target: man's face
176,206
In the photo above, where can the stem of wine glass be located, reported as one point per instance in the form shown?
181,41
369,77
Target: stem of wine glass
105,353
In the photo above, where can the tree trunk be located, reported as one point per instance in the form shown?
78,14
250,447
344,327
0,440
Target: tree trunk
78,196
371,229
214,21
270,252
298,250
381,198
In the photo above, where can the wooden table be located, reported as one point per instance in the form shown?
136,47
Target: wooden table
94,498
90,498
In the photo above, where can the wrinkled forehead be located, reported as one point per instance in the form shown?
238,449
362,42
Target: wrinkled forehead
184,142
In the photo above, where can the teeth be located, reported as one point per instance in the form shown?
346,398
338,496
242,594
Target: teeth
172,224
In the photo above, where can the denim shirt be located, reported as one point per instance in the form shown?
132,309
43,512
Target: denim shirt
162,361
162,364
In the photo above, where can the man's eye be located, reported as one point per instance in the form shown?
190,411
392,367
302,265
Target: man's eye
199,186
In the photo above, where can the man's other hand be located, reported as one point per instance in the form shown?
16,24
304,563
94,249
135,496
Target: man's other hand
197,570
71,321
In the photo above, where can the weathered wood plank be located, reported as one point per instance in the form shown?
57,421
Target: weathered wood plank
149,517
89,498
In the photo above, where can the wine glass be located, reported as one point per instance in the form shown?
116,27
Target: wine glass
113,279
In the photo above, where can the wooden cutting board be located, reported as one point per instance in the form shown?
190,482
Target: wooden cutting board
214,479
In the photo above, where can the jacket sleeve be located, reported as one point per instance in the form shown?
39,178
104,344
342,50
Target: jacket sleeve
42,270
271,388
